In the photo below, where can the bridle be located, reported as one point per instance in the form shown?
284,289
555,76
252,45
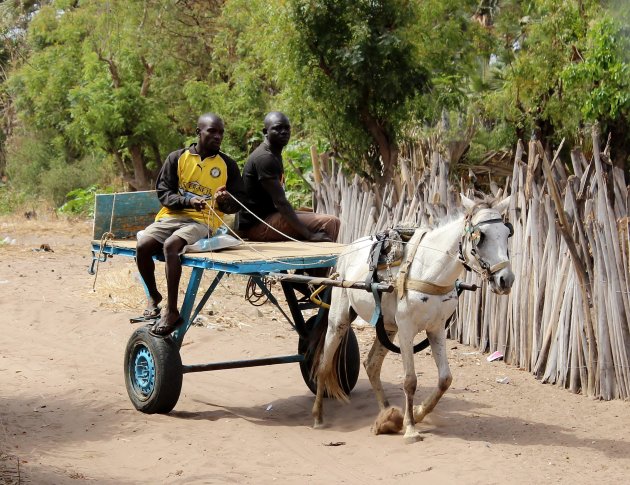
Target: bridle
471,234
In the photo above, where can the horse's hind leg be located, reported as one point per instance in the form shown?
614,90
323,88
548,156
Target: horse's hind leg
327,379
437,340
373,364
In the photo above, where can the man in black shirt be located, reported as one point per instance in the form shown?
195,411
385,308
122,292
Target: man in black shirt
263,176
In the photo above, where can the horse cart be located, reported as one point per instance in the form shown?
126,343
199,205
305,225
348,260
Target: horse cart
153,366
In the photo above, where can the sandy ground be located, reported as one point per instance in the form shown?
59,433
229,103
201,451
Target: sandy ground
65,416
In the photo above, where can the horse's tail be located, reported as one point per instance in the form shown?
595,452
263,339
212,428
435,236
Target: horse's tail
328,373
317,338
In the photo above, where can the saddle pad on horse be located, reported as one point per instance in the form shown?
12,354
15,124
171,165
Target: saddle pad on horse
393,247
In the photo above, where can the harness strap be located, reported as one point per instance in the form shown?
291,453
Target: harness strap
404,268
498,267
375,252
427,287
377,322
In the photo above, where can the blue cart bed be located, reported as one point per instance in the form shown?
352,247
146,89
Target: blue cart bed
249,258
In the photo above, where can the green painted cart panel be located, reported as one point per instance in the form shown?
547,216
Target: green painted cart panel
124,214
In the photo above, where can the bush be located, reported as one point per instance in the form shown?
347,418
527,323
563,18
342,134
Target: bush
80,202
298,192
42,169
26,160
11,200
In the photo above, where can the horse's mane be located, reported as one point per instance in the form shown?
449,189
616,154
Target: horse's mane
482,201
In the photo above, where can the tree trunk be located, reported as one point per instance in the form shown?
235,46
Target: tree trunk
387,148
142,181
620,146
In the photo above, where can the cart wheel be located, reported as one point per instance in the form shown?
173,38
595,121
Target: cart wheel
153,372
349,361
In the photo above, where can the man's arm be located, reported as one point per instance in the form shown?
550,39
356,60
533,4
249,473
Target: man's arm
168,190
167,184
234,186
275,190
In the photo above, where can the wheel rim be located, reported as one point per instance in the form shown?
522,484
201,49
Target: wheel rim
143,371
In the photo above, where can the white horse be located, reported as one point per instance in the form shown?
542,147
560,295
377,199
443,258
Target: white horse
477,239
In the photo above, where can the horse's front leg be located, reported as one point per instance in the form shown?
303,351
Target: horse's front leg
437,339
405,340
373,364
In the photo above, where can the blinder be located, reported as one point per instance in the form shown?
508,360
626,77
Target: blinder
510,227
475,234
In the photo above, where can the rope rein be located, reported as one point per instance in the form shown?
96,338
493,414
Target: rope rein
105,238
319,245
252,248
470,230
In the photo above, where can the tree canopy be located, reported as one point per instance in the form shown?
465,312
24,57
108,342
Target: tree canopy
100,91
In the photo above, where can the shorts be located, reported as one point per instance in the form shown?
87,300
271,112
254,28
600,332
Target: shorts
188,229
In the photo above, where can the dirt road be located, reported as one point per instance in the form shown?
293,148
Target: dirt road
65,416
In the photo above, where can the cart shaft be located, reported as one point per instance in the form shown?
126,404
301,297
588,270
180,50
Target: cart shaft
237,364
359,285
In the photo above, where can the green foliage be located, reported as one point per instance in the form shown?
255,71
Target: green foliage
92,83
240,85
81,201
11,200
36,167
357,63
28,161
560,66
364,71
298,189
602,76
97,92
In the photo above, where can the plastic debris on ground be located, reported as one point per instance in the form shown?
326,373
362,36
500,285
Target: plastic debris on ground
503,380
7,240
494,356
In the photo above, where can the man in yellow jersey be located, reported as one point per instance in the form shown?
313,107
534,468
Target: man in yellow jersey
193,187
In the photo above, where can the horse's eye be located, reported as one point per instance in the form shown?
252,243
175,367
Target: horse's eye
481,238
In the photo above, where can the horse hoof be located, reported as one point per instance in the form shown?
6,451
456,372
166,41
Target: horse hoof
419,413
414,437
318,424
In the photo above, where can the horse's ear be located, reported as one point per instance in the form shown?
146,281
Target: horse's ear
466,202
502,206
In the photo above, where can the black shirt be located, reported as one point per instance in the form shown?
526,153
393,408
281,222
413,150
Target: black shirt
262,164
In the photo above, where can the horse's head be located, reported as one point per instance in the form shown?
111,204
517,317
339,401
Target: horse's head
484,246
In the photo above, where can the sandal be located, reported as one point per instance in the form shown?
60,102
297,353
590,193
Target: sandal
152,313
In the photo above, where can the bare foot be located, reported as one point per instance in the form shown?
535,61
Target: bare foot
167,324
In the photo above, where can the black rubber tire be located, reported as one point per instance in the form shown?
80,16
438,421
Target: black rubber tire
153,372
349,361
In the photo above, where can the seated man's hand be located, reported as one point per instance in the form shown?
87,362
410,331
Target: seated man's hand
320,236
221,194
197,203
